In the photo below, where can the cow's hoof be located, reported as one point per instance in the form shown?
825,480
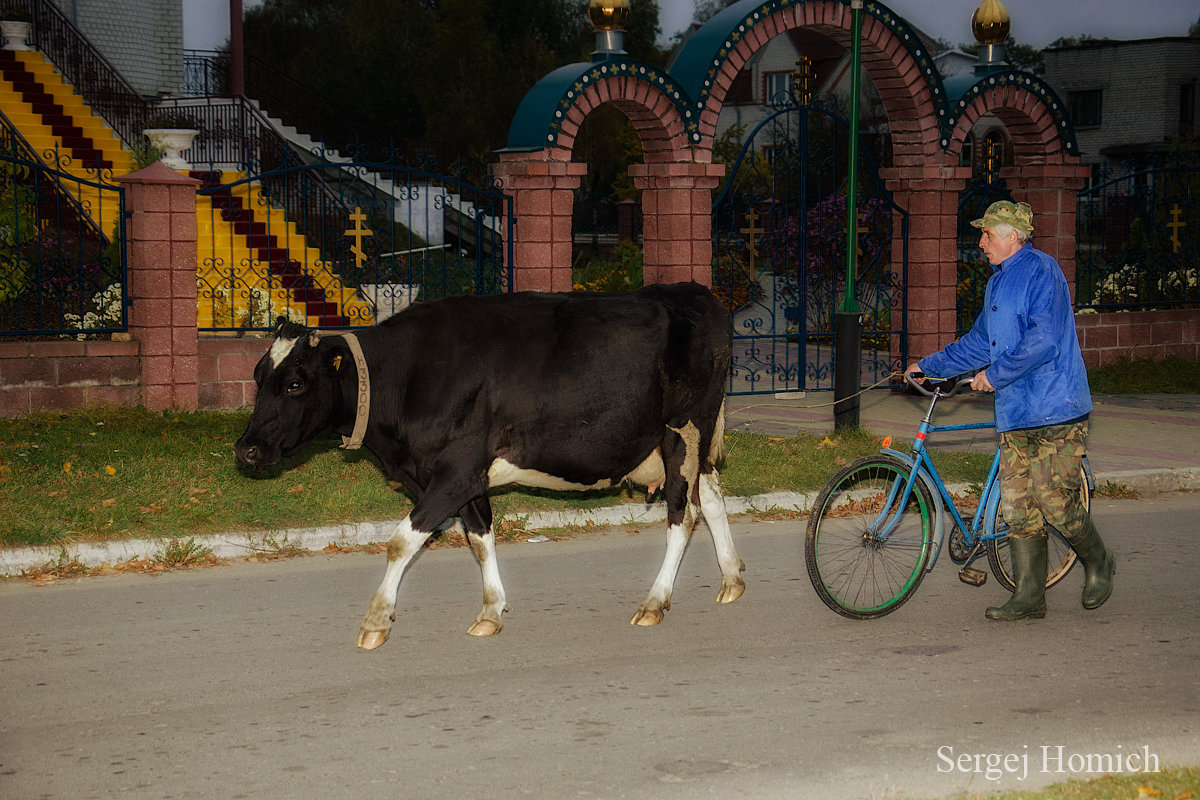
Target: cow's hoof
484,627
731,590
645,617
369,640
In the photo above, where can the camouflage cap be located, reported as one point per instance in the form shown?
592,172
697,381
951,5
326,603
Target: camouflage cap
1018,215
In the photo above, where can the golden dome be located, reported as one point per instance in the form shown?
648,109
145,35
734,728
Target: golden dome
990,22
608,15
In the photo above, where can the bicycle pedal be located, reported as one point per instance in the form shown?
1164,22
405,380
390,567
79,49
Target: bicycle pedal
975,577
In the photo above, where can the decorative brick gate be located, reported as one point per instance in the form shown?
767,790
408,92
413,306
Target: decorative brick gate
675,111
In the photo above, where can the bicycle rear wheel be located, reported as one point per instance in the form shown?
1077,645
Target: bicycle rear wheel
865,551
1062,556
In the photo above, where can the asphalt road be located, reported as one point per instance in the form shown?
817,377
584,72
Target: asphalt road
244,682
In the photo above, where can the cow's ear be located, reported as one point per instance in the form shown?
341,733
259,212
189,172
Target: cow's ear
314,338
280,321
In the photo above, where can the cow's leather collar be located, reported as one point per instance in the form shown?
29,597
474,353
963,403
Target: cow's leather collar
362,407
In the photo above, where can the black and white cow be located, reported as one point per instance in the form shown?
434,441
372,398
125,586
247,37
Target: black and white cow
569,391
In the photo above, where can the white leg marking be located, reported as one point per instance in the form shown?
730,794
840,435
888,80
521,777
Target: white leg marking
489,622
659,599
377,624
712,504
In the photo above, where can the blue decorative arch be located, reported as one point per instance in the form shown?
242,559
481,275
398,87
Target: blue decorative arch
540,116
964,89
699,61
690,77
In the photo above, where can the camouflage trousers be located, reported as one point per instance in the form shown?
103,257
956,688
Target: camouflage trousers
1040,477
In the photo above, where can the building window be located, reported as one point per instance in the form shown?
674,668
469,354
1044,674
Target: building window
776,85
1187,109
991,156
1085,108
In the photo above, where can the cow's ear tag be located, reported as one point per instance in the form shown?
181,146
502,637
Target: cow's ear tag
337,362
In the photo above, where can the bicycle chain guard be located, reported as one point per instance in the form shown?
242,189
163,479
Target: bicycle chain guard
959,552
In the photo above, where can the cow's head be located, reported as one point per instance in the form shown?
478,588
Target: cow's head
299,395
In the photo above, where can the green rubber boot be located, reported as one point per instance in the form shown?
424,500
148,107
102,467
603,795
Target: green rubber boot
1030,558
1098,565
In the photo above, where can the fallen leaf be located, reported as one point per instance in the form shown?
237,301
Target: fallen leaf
299,487
67,467
110,469
195,491
108,502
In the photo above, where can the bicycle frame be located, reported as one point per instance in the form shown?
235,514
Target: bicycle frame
922,467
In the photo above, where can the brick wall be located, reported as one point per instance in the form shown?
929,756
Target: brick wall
227,371
59,376
1138,334
37,377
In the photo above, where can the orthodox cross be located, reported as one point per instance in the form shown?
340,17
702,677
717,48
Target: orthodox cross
1176,225
358,233
752,230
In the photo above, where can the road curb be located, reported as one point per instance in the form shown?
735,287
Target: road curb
236,545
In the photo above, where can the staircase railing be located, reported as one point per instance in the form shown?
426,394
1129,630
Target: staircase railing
100,83
16,147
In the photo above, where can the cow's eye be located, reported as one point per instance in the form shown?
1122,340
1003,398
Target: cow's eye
295,387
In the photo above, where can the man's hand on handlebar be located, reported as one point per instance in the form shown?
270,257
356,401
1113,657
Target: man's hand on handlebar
980,383
947,387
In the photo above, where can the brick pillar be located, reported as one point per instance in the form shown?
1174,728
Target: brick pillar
930,195
161,253
543,188
1051,191
677,219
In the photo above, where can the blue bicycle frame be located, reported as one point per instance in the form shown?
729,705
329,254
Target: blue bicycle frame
921,467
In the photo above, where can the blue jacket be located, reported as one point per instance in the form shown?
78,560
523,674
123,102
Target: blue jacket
1026,338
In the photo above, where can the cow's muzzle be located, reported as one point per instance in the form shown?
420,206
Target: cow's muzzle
252,455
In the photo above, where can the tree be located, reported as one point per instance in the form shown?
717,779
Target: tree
446,73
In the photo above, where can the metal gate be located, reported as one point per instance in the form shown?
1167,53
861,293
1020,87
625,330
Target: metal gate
341,244
779,244
973,267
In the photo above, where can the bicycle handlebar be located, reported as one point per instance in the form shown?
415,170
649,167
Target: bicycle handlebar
957,383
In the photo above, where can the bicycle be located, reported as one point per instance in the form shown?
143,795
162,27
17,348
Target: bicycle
879,524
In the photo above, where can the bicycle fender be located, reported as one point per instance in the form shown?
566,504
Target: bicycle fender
939,505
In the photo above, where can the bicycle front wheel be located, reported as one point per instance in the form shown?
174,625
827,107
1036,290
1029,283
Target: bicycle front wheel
868,542
1062,556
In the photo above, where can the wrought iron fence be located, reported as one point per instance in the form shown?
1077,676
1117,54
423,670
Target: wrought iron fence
62,258
1138,240
205,73
343,244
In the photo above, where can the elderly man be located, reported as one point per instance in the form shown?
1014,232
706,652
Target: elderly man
1026,350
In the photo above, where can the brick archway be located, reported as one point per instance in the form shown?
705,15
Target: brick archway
675,113
676,179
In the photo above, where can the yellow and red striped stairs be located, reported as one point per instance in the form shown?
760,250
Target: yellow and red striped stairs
245,245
